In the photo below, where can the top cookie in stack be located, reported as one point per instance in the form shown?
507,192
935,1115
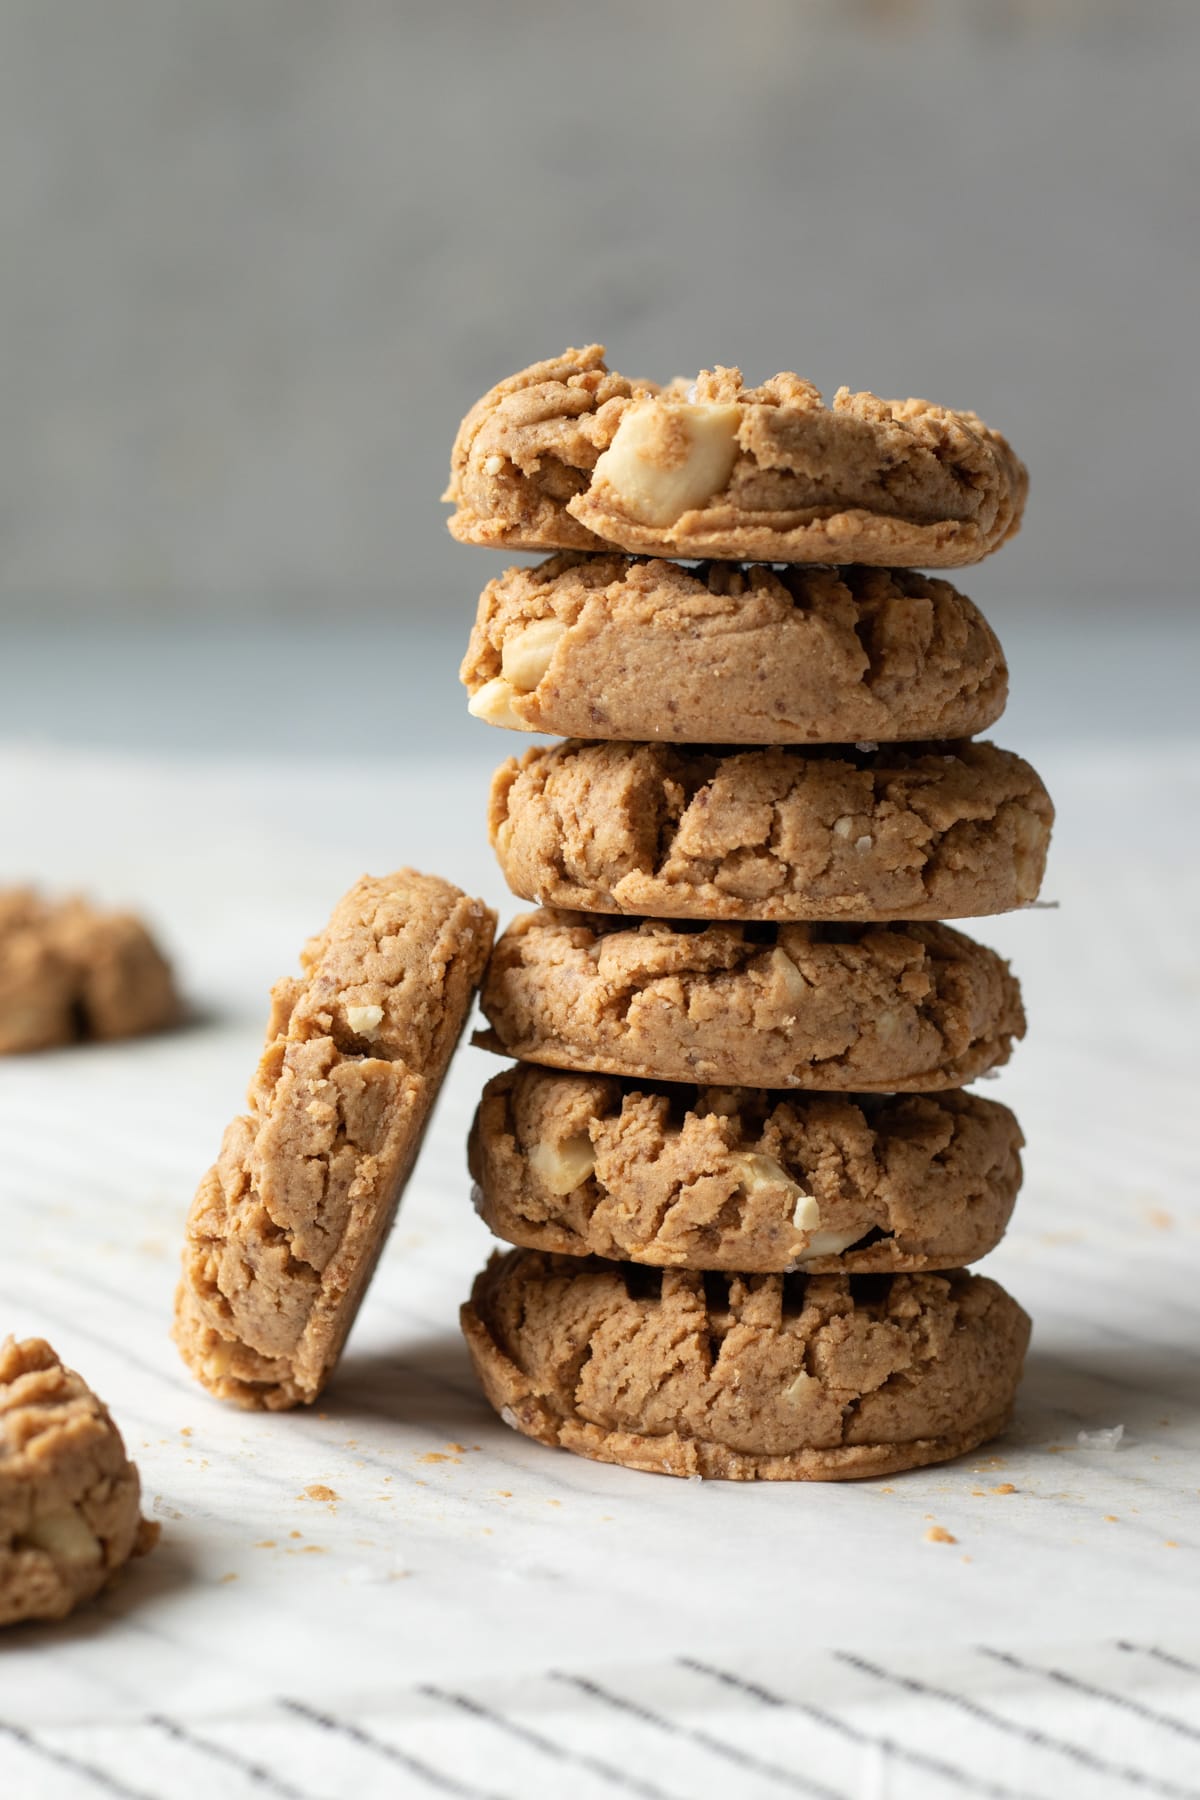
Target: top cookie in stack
769,774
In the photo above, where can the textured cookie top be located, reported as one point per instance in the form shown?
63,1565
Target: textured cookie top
743,1376
284,1231
612,647
741,1178
567,455
392,973
842,1007
70,970
69,1496
922,832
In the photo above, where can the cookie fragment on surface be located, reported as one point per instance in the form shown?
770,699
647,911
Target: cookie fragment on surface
845,1008
70,971
741,1178
615,648
70,1514
286,1228
745,1377
945,831
569,455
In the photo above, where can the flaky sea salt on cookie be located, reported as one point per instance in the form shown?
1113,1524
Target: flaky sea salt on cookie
741,1178
745,1377
70,1512
612,647
568,455
843,1008
286,1228
945,831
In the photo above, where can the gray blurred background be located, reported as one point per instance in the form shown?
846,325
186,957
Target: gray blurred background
260,255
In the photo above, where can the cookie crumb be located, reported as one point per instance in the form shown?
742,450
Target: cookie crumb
318,1491
230,1577
265,1544
1005,1487
937,1534
1106,1437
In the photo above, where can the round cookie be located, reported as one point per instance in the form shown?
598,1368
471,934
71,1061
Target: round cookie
610,647
69,971
286,1228
70,1499
739,1178
569,456
946,831
846,1008
745,1377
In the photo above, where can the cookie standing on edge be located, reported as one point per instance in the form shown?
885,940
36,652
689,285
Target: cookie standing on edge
70,1499
742,1179
609,647
758,1377
567,455
285,1230
69,971
844,1008
946,831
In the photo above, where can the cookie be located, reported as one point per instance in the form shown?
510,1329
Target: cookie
286,1228
568,456
69,971
739,1178
608,647
745,1377
70,1500
835,1007
945,831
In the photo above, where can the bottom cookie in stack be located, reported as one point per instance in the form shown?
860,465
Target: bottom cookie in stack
783,1314
745,1377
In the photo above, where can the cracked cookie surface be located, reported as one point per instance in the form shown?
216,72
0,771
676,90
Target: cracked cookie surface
947,831
847,1008
285,1229
745,1377
742,1179
569,455
70,971
70,1499
611,647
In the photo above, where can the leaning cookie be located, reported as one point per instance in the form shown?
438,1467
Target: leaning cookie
948,831
569,456
70,1499
70,971
745,1377
609,647
738,1178
849,1008
285,1230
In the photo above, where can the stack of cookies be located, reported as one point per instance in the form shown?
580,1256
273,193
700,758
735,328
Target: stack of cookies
735,1153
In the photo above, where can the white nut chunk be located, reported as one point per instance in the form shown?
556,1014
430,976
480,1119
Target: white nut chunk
526,655
65,1536
493,704
666,459
827,1243
757,1172
563,1167
364,1021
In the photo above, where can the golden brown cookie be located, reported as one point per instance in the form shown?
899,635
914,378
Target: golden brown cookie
285,1230
745,1377
568,456
837,1007
945,831
739,1178
69,971
70,1500
610,647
